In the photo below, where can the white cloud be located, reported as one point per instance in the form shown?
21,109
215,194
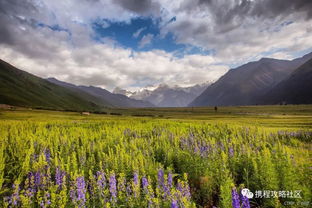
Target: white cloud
102,65
235,36
138,32
146,40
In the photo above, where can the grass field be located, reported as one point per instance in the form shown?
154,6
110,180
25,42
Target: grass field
161,157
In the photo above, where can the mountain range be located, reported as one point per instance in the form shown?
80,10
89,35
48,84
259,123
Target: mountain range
267,81
20,88
165,95
104,96
251,83
295,89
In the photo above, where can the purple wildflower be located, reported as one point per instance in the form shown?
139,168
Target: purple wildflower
37,179
81,191
235,199
14,200
101,180
72,193
59,177
174,204
136,185
47,155
136,178
245,202
161,179
144,183
112,187
30,185
46,200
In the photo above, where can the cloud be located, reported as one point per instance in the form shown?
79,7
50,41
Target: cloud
146,40
138,32
75,57
236,31
145,7
101,65
239,30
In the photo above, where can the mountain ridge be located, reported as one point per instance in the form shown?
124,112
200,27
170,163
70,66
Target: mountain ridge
21,88
166,96
295,89
104,95
246,84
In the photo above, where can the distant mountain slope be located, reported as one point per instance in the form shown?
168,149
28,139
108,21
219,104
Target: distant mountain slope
103,96
246,84
166,96
20,88
295,89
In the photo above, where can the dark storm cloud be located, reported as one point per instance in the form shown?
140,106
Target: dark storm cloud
225,11
17,7
5,31
15,13
228,15
140,6
282,7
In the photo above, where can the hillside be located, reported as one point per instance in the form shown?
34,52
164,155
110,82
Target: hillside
246,84
295,89
20,88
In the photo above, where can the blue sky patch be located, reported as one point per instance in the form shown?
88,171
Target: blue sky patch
130,35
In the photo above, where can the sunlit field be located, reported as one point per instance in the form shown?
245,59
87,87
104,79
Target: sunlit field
165,157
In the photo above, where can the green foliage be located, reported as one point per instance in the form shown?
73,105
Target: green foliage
209,158
23,89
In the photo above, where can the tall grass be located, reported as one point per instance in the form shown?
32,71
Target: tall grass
148,163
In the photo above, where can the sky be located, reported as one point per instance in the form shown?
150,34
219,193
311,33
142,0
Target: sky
135,43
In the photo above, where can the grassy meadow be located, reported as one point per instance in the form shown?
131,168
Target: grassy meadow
157,157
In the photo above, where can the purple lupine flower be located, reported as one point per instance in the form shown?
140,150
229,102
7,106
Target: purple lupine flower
47,155
184,189
81,191
187,191
112,187
37,179
136,185
161,179
144,183
136,178
46,201
245,202
72,192
235,199
101,180
59,176
15,199
167,186
179,187
174,204
30,185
